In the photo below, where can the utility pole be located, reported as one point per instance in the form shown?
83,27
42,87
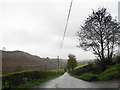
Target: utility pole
58,62
119,48
118,22
45,65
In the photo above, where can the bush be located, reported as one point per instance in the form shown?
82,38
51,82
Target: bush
15,79
99,66
116,59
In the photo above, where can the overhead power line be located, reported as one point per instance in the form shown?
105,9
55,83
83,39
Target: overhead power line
65,30
66,24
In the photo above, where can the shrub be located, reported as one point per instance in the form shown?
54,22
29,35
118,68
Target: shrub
116,59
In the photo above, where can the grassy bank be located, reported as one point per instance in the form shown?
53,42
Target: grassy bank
86,76
27,79
111,73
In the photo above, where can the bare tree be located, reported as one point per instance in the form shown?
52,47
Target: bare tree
99,34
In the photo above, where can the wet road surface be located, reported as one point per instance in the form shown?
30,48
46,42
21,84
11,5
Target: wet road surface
67,81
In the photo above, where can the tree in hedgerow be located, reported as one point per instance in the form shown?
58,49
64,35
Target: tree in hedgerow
100,34
72,62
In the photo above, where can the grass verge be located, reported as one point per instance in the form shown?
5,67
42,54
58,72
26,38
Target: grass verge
36,82
86,76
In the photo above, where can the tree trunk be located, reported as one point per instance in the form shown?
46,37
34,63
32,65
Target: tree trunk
102,49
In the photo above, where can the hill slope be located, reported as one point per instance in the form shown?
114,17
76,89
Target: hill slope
11,59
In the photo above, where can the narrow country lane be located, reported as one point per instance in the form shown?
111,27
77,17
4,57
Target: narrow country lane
67,81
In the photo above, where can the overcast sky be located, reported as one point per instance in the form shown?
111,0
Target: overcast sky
37,26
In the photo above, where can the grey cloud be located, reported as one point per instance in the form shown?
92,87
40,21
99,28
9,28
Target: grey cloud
37,26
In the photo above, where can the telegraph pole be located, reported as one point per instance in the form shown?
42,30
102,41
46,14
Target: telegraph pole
58,62
119,22
119,48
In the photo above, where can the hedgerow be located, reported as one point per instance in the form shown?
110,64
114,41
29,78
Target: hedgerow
14,79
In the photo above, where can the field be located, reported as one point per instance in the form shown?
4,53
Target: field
79,66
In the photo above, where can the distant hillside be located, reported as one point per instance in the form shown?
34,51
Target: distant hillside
11,59
54,61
